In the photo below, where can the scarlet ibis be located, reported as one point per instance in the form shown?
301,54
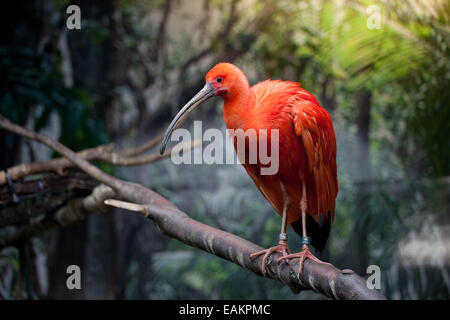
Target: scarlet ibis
304,189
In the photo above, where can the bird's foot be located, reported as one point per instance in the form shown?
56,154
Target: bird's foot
282,248
303,255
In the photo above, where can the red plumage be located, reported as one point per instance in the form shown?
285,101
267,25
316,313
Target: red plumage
304,189
307,142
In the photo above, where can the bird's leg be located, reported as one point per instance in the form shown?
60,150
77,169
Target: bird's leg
305,253
282,246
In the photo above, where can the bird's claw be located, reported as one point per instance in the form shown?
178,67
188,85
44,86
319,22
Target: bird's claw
282,248
302,255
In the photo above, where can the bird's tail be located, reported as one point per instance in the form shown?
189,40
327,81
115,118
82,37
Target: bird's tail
317,232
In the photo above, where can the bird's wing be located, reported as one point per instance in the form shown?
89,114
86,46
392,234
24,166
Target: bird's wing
314,128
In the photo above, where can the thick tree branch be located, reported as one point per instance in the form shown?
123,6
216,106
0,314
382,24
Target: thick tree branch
41,196
325,279
75,210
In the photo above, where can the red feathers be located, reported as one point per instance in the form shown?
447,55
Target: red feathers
307,143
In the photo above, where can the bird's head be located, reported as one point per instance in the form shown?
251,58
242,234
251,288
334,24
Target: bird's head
227,80
224,80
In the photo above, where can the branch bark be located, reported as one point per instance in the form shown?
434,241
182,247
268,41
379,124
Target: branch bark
41,196
103,153
75,210
325,279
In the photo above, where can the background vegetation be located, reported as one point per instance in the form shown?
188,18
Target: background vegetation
135,62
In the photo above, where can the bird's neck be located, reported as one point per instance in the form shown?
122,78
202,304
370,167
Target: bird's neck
237,108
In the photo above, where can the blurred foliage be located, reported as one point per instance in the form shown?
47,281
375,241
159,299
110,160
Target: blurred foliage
405,64
32,87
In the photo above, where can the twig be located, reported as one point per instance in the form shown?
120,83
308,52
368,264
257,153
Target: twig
103,153
54,165
131,152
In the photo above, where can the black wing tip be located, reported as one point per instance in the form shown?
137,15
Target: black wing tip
318,233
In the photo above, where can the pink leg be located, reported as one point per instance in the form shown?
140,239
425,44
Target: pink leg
305,253
282,246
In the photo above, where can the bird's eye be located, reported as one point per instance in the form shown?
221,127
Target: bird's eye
219,79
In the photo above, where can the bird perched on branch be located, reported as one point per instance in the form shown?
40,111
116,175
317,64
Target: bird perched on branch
304,189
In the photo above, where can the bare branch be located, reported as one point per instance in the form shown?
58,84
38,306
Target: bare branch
41,196
75,210
143,147
326,279
54,165
118,160
104,153
84,165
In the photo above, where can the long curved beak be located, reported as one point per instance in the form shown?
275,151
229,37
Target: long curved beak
203,95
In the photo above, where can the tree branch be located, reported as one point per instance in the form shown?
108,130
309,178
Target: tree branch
75,210
103,153
325,279
40,196
131,152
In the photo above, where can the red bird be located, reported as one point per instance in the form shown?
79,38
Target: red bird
304,189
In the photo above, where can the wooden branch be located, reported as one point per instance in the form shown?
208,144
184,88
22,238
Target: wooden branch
41,196
51,183
118,160
103,153
75,210
131,152
55,165
325,279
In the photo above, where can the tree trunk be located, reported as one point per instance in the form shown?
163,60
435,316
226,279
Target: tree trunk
358,247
